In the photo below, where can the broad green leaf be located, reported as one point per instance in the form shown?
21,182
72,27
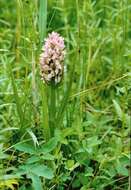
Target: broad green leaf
83,188
89,172
49,146
76,183
24,147
42,170
33,159
47,157
37,169
36,182
121,169
71,165
89,143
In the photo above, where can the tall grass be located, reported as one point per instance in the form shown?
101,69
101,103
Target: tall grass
74,136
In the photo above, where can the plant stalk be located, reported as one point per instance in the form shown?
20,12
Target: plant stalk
52,108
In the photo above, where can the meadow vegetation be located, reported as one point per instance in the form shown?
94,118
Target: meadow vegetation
75,136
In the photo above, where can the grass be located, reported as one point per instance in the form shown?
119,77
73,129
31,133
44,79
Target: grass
76,136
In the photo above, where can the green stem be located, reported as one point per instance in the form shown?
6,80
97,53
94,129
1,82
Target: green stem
45,117
52,109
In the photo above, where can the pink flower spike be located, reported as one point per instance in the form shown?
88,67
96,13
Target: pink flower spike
52,57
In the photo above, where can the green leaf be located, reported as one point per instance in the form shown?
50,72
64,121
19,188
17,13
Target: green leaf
16,96
24,147
71,165
36,158
84,187
118,109
42,19
121,169
49,146
34,138
47,157
42,170
83,179
89,172
93,141
76,183
36,182
37,169
33,159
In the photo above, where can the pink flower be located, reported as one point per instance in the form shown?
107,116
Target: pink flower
52,57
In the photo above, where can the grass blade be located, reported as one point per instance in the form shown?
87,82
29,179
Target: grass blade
42,19
16,98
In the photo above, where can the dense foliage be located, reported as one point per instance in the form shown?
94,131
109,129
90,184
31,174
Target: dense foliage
80,139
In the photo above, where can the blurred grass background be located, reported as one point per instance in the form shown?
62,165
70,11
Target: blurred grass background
94,97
